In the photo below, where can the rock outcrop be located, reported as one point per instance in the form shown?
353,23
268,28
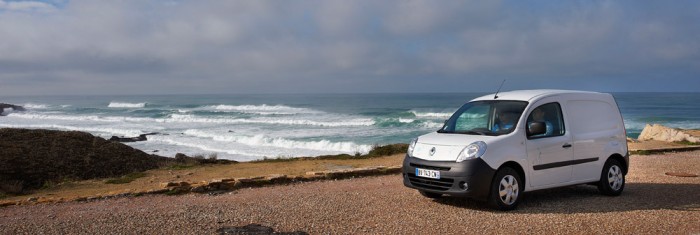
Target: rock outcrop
141,137
4,106
663,133
34,158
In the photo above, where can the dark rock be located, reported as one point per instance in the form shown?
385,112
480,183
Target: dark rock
141,137
184,159
4,106
37,157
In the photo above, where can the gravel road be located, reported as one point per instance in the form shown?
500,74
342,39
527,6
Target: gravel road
652,203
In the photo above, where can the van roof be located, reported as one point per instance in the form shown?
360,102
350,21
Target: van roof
528,95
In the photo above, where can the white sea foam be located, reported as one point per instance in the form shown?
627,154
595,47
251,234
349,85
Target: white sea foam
430,114
406,120
196,119
432,125
180,118
107,130
56,117
261,140
202,146
94,118
115,104
35,106
639,126
263,109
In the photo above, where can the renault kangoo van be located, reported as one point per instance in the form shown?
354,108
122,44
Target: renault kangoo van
496,147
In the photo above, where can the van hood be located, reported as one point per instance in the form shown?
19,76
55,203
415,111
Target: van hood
447,146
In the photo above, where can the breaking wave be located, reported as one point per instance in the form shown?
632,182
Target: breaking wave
192,118
430,114
263,109
112,131
114,104
262,140
201,146
35,106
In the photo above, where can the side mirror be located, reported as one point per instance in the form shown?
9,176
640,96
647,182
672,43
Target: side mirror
536,128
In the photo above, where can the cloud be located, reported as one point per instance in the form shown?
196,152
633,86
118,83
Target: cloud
341,46
25,6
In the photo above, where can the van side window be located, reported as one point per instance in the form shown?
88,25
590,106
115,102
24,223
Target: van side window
550,115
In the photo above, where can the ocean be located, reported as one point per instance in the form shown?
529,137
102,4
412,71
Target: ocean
250,127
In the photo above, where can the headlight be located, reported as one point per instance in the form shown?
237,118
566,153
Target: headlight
473,150
411,146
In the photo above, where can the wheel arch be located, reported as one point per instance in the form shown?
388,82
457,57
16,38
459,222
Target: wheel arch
620,159
515,166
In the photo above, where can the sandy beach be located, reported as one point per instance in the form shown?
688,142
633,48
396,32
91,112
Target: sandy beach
652,203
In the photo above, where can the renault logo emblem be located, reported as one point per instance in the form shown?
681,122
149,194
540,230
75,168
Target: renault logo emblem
432,151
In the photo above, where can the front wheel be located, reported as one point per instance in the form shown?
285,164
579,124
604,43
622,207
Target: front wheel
506,189
612,178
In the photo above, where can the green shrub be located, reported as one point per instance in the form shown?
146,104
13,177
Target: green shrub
685,142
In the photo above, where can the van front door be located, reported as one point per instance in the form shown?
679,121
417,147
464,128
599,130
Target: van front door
551,153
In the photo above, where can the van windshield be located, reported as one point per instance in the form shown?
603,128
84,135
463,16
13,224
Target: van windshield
489,117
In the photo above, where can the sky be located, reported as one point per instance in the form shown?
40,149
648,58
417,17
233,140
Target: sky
68,47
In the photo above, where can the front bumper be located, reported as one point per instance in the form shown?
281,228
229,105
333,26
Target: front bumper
474,172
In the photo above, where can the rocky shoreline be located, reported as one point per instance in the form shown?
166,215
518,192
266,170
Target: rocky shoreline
667,134
4,106
31,159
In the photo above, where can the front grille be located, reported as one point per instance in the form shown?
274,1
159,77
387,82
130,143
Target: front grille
437,168
442,184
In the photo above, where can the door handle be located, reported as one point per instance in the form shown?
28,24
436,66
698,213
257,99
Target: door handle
566,146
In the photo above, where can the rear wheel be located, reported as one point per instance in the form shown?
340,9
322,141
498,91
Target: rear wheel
612,178
506,189
430,195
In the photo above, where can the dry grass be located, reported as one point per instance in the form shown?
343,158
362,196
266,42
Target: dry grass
151,179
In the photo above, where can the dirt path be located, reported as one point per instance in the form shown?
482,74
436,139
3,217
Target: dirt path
653,203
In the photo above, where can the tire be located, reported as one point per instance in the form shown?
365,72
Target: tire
506,189
430,195
612,178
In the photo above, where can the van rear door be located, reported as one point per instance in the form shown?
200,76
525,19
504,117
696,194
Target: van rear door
595,125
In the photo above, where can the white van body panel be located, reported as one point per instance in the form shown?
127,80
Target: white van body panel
547,150
447,146
593,128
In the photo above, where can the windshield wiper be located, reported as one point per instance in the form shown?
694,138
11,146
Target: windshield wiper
472,132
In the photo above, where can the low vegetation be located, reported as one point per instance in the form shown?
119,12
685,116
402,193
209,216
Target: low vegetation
126,179
685,142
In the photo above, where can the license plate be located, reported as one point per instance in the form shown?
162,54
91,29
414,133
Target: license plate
428,173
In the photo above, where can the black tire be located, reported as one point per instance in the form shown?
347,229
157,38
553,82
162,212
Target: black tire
612,178
511,178
430,195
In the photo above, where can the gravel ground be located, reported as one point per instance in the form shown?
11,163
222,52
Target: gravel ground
652,203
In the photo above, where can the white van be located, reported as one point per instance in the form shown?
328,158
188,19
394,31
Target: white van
498,146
